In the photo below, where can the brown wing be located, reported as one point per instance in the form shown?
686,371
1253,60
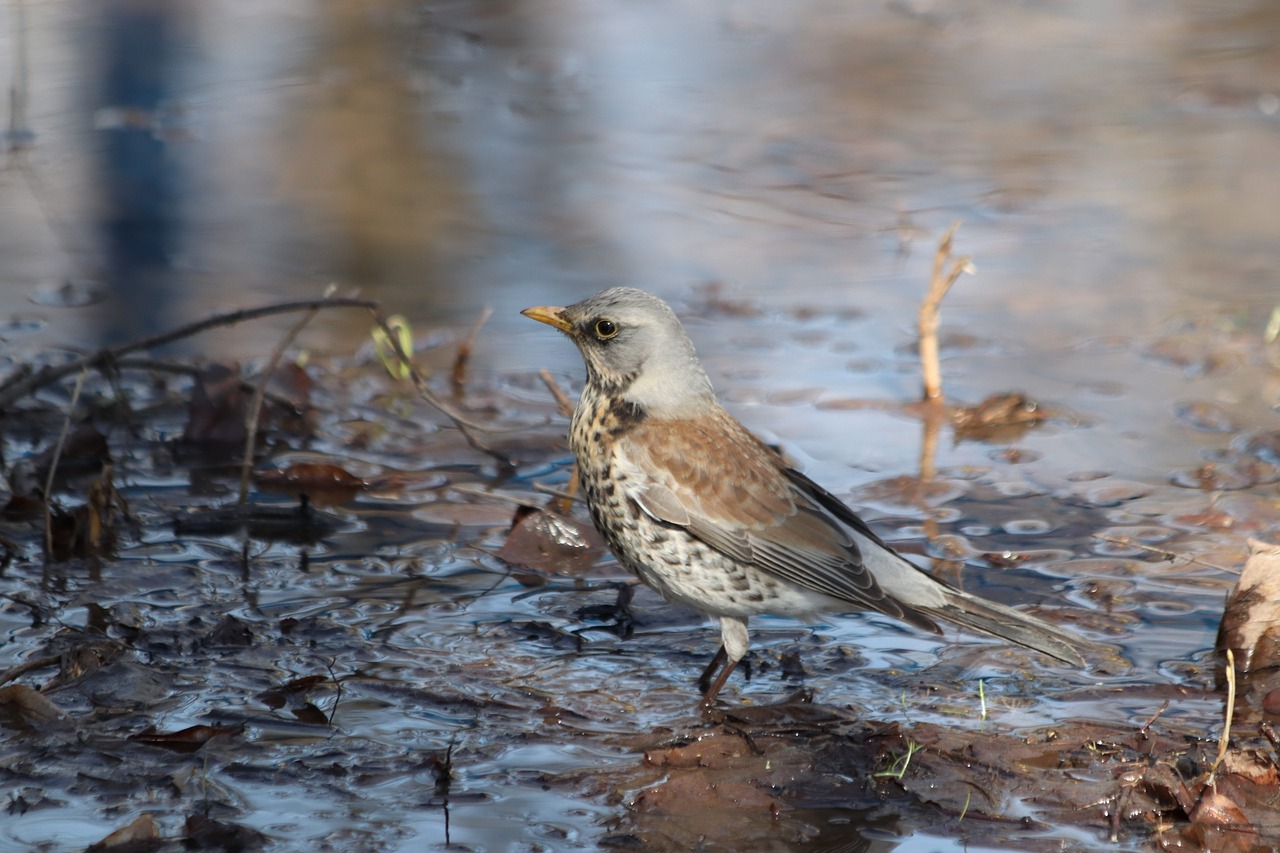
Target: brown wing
749,506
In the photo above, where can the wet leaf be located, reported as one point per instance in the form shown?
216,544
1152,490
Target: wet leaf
84,659
1000,417
311,715
326,484
30,706
85,450
23,508
189,739
138,836
292,381
204,833
293,693
546,541
1251,619
229,632
218,406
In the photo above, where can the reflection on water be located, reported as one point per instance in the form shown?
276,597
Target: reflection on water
779,172
139,177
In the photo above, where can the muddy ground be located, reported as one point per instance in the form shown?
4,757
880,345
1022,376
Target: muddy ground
384,665
363,655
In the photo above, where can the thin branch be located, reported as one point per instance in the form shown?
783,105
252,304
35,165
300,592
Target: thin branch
21,385
53,465
254,415
1225,740
562,399
458,378
566,408
930,309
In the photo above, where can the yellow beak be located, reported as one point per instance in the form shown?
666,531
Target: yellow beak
549,315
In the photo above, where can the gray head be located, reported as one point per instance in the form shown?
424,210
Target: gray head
634,346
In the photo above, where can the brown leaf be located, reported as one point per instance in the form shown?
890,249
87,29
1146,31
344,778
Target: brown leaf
310,477
293,693
312,715
30,706
546,541
205,833
1251,619
139,835
229,632
1000,417
185,740
216,413
1217,809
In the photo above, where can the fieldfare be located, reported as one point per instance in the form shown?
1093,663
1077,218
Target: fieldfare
711,517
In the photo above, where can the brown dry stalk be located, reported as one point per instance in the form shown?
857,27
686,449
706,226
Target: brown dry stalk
566,408
562,399
458,379
53,464
254,415
1225,740
930,310
1130,542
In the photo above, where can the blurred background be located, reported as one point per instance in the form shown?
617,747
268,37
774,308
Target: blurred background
1115,164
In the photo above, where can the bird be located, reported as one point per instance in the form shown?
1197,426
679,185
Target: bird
711,517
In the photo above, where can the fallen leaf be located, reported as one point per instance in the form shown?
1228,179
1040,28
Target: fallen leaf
1251,619
216,412
139,835
31,706
189,739
546,541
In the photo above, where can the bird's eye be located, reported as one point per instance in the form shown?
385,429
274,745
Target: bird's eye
606,329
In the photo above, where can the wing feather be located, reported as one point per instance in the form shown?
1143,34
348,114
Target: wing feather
763,516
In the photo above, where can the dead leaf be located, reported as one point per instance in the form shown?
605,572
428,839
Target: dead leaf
31,706
1000,417
139,835
293,694
1251,619
546,541
216,413
189,739
324,483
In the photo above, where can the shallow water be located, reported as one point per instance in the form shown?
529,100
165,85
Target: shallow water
782,177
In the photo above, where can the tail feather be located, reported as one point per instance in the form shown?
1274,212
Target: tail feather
987,617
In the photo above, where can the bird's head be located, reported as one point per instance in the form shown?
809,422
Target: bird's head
634,347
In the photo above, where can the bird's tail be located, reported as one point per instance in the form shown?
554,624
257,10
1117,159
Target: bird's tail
987,617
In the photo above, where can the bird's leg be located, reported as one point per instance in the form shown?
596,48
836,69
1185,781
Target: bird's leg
710,696
734,639
704,680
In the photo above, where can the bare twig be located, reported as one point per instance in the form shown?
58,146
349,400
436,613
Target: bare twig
254,415
562,399
1149,723
566,408
1130,542
458,378
27,666
931,307
153,366
53,465
1225,740
21,385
